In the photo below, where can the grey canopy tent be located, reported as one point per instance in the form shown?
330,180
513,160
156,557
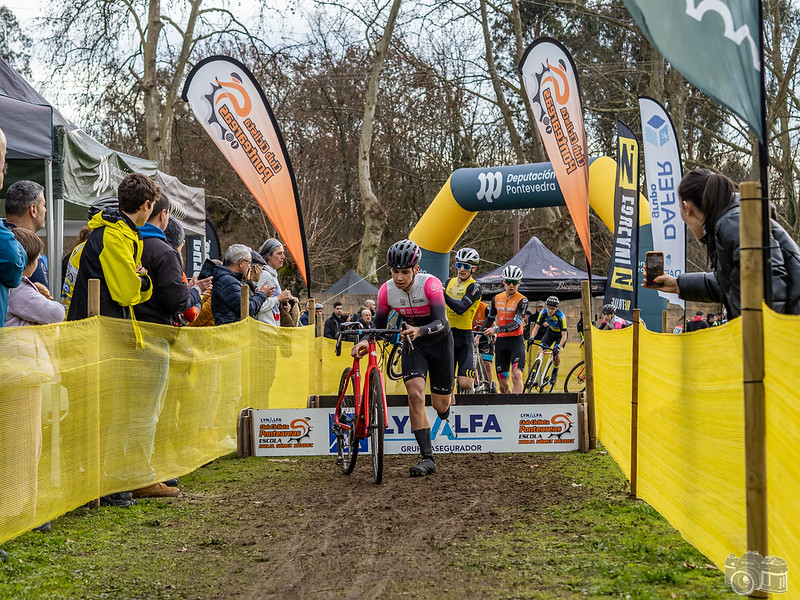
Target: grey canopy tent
543,274
352,283
74,168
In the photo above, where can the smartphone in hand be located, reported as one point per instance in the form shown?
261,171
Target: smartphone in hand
653,267
208,268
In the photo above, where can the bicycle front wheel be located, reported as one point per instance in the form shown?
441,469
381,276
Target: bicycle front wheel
395,362
575,383
377,426
530,382
547,383
346,441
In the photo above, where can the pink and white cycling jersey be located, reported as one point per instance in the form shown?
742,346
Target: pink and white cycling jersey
615,323
421,306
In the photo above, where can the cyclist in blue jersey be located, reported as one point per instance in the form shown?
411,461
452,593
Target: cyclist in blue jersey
556,334
419,298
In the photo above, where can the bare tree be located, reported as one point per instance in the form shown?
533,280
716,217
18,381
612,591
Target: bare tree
139,45
374,217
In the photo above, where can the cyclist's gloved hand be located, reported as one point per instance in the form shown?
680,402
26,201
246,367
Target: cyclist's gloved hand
556,349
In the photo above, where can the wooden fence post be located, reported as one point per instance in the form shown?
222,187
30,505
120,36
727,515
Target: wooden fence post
244,305
312,313
752,296
664,322
588,362
635,403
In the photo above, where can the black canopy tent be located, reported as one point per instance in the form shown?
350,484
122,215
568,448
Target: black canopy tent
544,274
352,283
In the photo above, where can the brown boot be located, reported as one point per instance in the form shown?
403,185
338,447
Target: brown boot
157,490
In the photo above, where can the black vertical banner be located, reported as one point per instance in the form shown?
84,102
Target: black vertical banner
622,269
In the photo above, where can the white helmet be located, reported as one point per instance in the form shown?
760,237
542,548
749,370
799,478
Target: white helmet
512,272
469,256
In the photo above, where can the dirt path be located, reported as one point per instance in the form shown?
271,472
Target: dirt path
405,542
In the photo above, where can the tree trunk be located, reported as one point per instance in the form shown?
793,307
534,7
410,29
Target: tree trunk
549,214
152,95
160,111
374,217
497,85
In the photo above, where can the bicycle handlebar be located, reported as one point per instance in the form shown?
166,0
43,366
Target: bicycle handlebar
350,330
532,342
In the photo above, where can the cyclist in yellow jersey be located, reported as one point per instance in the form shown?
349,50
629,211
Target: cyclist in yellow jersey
462,294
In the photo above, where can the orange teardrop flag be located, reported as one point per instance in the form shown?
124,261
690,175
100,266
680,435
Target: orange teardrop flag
551,83
232,108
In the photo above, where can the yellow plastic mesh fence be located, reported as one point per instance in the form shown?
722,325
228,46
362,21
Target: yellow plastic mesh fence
781,383
691,459
84,412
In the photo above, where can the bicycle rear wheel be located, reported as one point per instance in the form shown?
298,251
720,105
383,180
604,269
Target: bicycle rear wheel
346,441
482,387
530,382
395,363
377,425
575,383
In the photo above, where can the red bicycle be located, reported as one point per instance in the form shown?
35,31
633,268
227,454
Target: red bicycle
361,414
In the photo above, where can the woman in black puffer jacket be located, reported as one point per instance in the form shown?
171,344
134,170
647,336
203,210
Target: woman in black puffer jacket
709,206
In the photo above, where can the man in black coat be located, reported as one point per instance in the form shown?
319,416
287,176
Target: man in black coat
170,298
334,322
170,293
697,323
226,294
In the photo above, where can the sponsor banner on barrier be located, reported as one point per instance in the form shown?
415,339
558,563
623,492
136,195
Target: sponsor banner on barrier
470,429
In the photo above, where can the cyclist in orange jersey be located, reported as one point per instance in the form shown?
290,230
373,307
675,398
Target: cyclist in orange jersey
506,314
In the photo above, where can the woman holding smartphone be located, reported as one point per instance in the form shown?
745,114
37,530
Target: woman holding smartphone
709,206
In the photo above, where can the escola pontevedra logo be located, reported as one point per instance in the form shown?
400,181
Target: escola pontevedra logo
491,186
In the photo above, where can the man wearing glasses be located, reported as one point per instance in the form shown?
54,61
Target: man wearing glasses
505,317
226,295
462,294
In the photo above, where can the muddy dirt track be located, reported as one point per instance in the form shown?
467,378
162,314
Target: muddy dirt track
333,536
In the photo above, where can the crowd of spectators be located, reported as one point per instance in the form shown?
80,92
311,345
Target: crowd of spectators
133,247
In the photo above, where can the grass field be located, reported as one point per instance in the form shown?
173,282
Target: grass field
488,526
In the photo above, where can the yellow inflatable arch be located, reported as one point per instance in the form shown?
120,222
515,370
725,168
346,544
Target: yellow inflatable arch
469,191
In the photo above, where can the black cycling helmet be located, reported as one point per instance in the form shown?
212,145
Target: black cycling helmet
552,301
103,204
608,309
403,255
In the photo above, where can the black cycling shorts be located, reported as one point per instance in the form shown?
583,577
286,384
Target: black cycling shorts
463,352
509,352
551,337
435,358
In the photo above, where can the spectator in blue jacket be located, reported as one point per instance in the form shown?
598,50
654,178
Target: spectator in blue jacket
25,208
226,294
12,255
